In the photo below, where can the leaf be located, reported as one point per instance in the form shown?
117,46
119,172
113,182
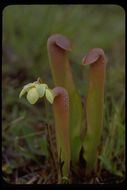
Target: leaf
44,146
106,162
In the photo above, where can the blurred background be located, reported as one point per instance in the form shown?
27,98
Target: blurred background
26,29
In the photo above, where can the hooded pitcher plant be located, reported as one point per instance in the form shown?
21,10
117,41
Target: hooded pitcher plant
60,100
94,105
67,107
61,114
58,48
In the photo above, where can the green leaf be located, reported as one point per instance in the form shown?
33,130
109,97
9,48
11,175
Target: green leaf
44,146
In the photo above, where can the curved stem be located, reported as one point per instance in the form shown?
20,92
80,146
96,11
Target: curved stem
61,114
94,105
58,49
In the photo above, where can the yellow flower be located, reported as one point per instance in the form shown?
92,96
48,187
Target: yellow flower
35,91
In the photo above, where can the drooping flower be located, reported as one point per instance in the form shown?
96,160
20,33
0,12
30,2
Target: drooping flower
37,90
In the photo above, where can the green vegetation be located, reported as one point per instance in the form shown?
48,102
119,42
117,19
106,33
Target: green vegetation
25,33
